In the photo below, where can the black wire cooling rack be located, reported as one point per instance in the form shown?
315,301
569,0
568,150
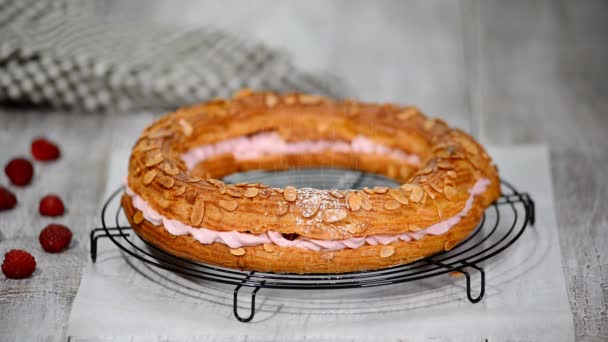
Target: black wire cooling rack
502,224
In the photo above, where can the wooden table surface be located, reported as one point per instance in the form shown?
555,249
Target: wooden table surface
510,72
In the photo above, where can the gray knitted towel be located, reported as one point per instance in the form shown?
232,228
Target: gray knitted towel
60,53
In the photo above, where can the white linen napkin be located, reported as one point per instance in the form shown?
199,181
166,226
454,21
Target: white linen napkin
120,298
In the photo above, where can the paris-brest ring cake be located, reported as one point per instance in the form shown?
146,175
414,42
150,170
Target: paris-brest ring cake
175,200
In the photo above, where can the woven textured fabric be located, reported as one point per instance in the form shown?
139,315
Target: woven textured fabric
60,53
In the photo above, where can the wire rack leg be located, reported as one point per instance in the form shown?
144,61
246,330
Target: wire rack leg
236,299
482,286
101,233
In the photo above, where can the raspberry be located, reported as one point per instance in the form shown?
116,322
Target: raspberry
51,205
20,171
54,238
7,199
44,150
18,264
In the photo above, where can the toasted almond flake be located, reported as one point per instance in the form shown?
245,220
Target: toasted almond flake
278,190
237,251
417,194
429,192
222,188
193,180
170,169
242,184
428,125
179,191
198,212
268,247
137,170
191,196
387,251
391,205
422,179
163,133
408,186
354,201
449,244
452,174
166,181
213,213
310,206
406,113
245,92
327,256
282,208
436,187
229,205
186,127
425,212
271,100
149,176
426,170
146,148
450,192
366,203
138,217
368,190
445,165
424,197
309,99
414,228
251,192
380,189
439,212
234,192
155,159
334,215
265,193
336,194
398,196
290,194
290,99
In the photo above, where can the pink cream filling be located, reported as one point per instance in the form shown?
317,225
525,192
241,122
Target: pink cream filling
236,239
270,143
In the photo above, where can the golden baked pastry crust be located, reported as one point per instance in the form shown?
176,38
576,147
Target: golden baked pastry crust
452,162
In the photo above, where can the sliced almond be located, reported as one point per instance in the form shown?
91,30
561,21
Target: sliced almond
213,213
170,169
428,125
150,147
417,194
425,212
290,194
278,190
366,203
450,192
229,205
198,212
268,247
186,127
380,189
265,193
406,113
155,159
162,133
436,187
408,186
166,181
398,196
439,212
391,205
290,99
179,191
237,251
368,190
271,100
191,196
426,170
282,208
138,217
445,165
449,244
387,251
149,176
353,200
334,215
452,174
309,99
310,206
429,192
251,192
337,194
234,191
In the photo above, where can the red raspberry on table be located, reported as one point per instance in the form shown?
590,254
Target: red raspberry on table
20,171
54,238
18,264
51,205
7,199
44,150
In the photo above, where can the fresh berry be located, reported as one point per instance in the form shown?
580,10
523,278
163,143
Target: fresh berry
51,205
55,237
44,150
7,199
18,264
20,171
